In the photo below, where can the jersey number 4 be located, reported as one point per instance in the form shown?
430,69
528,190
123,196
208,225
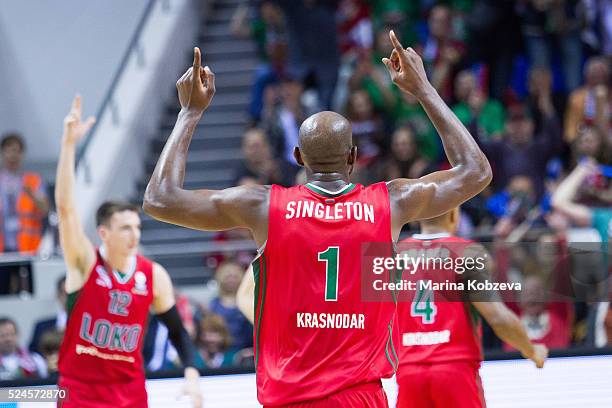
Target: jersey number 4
423,305
331,257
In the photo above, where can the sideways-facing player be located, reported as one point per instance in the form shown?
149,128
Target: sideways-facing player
110,293
440,350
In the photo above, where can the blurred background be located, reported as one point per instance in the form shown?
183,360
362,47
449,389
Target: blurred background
529,78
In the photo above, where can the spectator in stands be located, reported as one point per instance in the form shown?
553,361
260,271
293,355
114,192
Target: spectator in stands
590,104
442,54
367,126
409,111
564,200
50,344
313,43
546,322
493,39
473,105
520,152
543,304
595,189
355,27
283,123
24,203
372,76
400,14
545,23
259,164
540,90
213,340
597,33
404,160
55,323
269,32
16,362
512,205
228,276
600,219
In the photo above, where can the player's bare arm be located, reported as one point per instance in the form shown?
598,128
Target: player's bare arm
164,307
245,297
79,252
165,198
502,320
439,192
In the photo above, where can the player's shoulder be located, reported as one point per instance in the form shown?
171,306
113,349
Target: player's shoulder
249,195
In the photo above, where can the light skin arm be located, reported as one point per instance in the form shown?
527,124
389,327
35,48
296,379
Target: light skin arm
573,116
439,192
245,296
563,198
163,300
211,210
79,252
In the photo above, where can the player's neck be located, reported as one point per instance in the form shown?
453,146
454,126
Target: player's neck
331,181
118,262
434,229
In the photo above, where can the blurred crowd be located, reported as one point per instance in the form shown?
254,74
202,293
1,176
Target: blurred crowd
529,78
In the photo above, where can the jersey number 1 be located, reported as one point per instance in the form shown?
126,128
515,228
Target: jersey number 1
331,257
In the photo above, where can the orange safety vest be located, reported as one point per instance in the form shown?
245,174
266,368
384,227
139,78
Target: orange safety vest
30,218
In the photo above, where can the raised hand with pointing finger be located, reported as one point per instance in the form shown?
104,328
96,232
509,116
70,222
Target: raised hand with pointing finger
406,69
74,127
196,87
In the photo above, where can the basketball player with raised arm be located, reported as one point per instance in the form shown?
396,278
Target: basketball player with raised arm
111,290
317,343
441,346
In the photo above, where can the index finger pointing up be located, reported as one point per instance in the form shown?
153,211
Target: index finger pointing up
396,43
197,59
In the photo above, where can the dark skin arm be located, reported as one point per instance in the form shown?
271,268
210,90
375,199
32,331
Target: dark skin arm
165,198
209,210
506,325
439,192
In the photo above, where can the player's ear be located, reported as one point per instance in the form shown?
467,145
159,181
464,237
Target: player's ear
298,156
102,232
352,157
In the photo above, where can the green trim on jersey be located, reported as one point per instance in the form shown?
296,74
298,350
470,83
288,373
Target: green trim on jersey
71,299
326,193
257,271
124,277
393,363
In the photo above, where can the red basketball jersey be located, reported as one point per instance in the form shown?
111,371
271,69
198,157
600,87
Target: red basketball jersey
106,327
314,335
432,328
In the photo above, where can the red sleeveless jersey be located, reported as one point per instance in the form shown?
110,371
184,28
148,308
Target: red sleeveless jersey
106,327
314,335
434,329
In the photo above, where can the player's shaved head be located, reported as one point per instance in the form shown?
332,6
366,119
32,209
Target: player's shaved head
325,142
